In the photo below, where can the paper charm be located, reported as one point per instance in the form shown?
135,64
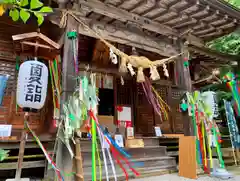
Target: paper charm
186,63
184,107
165,70
113,57
130,68
122,81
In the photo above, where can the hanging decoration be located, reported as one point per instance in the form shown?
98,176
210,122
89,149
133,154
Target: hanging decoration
81,108
233,85
32,85
206,131
138,62
232,124
3,85
233,128
159,106
72,35
209,98
165,70
54,71
113,56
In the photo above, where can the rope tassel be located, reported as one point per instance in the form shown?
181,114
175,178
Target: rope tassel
140,75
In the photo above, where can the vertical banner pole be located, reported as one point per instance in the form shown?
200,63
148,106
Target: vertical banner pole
94,139
21,149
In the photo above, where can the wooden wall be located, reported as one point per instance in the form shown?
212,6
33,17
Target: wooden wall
131,93
9,112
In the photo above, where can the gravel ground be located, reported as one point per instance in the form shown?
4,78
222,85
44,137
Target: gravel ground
175,177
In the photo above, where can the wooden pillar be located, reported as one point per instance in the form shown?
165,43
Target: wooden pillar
63,158
184,81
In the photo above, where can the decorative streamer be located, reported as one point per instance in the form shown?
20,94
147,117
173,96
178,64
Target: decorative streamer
208,133
204,148
72,35
101,137
222,165
99,162
119,163
155,100
203,127
114,146
102,141
112,164
48,157
196,134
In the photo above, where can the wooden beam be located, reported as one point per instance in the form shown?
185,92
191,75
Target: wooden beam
31,35
123,15
30,164
36,45
125,36
193,40
202,80
212,53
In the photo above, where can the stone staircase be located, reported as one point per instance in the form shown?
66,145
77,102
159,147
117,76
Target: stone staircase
150,160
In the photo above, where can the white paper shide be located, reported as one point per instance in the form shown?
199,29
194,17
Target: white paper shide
32,85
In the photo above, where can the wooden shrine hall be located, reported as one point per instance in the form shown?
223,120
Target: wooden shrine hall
155,29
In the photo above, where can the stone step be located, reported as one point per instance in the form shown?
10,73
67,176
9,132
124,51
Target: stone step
154,164
150,151
150,141
154,151
139,162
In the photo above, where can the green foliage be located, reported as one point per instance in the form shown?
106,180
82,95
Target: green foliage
24,8
3,154
229,44
235,3
25,15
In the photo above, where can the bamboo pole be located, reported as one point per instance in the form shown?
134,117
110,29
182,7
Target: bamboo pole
79,165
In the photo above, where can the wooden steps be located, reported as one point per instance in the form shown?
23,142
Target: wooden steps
147,166
152,159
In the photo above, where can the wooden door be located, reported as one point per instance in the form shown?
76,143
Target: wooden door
124,95
176,115
144,113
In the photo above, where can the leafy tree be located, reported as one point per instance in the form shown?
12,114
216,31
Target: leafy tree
235,3
23,9
229,44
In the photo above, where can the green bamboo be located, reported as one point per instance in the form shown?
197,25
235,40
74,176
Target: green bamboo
25,157
94,140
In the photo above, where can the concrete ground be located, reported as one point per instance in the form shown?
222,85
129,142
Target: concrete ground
174,177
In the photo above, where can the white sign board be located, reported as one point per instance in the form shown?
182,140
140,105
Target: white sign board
119,140
125,114
158,131
32,85
5,130
130,132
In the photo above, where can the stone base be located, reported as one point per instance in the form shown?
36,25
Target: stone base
22,179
